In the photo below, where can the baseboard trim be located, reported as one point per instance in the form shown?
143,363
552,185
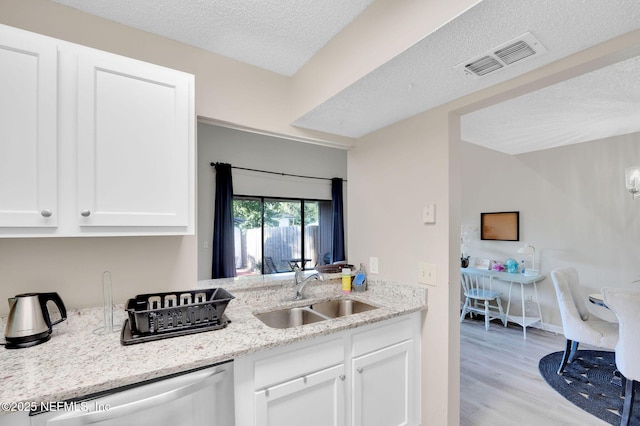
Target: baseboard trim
548,327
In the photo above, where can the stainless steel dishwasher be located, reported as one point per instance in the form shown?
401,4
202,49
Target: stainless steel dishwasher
202,397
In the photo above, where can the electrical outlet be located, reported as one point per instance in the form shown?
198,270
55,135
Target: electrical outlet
373,265
427,273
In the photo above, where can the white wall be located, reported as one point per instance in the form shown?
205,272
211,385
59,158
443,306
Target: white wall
73,267
256,151
574,209
393,173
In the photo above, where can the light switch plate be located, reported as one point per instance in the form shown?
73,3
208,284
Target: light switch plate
373,265
429,213
427,273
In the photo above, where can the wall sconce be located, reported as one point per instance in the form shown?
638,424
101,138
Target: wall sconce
531,251
632,180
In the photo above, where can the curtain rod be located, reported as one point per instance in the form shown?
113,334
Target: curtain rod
277,173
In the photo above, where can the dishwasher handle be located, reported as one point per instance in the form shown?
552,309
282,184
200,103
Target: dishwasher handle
200,382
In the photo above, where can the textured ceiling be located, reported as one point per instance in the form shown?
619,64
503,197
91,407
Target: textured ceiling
282,35
424,77
277,35
593,106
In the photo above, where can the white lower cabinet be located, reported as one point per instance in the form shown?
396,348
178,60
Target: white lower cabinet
316,399
298,384
367,376
386,373
388,404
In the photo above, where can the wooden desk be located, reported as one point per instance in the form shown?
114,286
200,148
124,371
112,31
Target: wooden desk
512,279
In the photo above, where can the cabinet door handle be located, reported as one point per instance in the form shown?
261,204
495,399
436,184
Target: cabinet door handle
342,377
46,213
359,370
85,213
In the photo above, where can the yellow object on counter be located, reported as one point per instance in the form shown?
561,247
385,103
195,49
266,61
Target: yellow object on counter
346,280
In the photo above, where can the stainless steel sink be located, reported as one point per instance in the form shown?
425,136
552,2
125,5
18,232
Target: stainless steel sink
293,317
341,307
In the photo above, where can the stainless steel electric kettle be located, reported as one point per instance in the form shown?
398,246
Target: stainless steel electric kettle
29,322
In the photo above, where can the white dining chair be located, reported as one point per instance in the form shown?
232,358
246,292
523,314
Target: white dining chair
626,305
480,298
578,324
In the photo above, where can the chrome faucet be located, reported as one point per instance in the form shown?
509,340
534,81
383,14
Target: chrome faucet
301,283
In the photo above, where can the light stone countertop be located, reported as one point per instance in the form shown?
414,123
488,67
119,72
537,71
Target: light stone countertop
77,362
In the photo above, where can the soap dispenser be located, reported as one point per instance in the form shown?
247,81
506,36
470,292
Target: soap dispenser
360,280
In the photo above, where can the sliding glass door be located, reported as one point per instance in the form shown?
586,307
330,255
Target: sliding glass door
275,235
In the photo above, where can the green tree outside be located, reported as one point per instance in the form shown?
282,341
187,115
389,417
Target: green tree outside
250,211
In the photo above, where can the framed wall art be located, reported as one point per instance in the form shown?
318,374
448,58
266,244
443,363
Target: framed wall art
500,226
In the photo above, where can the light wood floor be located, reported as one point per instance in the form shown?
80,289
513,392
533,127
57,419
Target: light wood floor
500,382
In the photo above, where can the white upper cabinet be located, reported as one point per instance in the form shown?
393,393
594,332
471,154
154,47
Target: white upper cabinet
28,130
133,149
109,139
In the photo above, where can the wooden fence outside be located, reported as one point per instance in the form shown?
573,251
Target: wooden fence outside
281,244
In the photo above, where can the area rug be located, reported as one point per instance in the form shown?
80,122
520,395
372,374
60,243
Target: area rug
589,383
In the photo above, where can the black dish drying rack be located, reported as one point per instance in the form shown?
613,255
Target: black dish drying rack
161,315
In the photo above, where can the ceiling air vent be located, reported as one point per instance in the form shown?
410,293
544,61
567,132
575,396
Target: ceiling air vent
483,66
515,52
525,46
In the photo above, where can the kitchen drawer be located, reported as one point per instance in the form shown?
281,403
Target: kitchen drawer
296,361
383,335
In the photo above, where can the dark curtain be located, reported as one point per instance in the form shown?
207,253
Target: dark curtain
337,246
224,264
325,232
